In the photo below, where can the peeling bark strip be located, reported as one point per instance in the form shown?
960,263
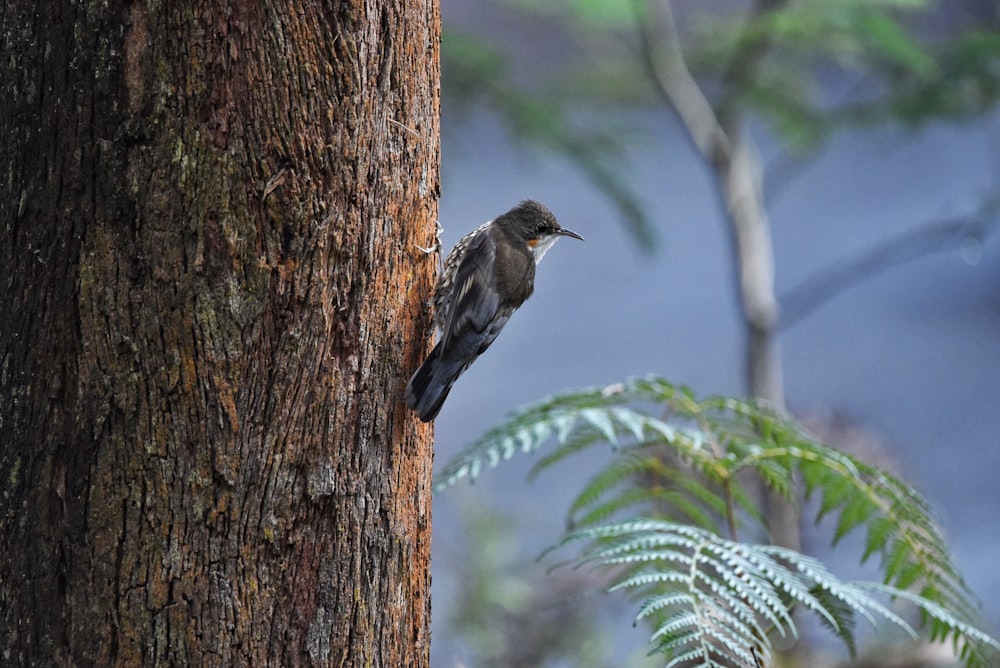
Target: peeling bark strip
210,295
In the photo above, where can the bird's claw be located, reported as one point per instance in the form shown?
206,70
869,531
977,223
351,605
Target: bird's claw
437,246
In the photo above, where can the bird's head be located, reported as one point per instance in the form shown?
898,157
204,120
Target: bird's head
534,224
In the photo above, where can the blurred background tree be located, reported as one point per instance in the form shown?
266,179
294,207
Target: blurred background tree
793,72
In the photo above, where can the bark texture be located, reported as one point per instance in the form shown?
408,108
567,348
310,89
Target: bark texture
211,296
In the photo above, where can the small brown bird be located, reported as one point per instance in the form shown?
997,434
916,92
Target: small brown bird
487,276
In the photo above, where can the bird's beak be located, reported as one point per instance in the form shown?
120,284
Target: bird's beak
570,233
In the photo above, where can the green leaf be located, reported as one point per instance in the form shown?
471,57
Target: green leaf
843,618
706,595
699,467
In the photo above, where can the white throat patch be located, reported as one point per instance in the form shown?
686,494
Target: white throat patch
543,246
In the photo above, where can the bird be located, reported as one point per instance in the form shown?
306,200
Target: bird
488,274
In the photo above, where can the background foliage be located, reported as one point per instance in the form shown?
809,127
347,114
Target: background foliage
805,70
713,600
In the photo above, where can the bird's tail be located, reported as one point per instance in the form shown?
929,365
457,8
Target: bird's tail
429,386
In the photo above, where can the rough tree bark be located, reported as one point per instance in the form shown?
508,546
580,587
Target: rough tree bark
210,295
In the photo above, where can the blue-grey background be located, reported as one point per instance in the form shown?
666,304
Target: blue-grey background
912,355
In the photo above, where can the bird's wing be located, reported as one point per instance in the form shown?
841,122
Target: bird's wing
475,302
476,314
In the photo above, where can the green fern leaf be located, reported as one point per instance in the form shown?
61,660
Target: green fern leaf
719,442
707,596
856,511
603,421
843,616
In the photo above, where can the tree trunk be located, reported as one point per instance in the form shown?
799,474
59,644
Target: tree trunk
210,297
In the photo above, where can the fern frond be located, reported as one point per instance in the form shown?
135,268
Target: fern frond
640,477
695,467
576,441
978,649
574,420
900,522
844,624
711,600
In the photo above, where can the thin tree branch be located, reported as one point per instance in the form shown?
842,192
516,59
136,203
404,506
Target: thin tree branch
933,237
661,53
731,154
